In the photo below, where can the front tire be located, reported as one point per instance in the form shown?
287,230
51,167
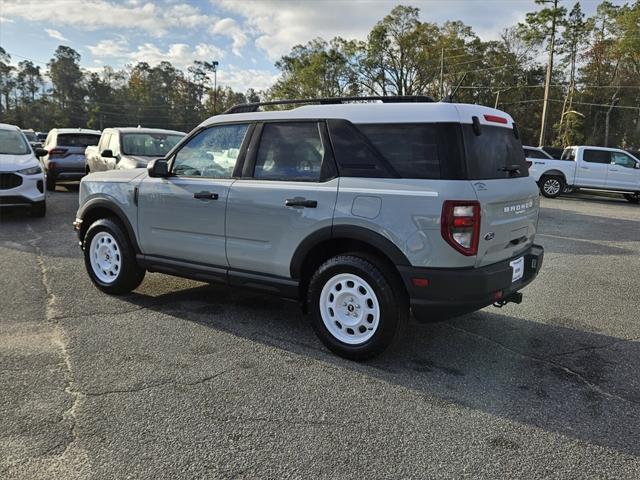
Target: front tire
357,306
39,209
632,197
110,259
551,186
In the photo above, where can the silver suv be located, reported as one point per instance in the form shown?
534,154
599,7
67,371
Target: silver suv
361,211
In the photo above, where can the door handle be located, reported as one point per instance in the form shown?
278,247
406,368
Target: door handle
205,196
300,202
613,169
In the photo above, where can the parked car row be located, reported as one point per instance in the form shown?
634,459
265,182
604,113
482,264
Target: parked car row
583,167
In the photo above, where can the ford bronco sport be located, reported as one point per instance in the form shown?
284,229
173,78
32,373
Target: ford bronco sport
361,211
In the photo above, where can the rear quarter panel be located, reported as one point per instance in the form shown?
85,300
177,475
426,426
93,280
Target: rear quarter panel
406,212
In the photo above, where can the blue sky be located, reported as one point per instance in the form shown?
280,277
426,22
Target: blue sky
245,36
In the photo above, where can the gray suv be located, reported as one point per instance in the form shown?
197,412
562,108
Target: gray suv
364,212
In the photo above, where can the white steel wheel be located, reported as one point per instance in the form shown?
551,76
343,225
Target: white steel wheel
349,309
105,257
552,186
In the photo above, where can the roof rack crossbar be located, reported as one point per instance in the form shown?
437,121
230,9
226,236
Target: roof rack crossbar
253,107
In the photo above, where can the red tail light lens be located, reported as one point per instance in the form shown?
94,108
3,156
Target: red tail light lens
57,152
460,225
529,163
496,119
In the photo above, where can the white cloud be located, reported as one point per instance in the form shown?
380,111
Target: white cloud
5,20
180,55
241,79
55,34
228,27
95,14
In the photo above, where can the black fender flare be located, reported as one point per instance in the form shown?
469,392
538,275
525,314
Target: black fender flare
113,208
351,232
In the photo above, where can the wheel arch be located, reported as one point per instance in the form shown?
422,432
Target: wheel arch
554,173
102,208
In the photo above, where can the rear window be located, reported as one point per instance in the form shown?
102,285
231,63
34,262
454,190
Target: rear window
77,140
410,149
149,144
596,156
568,154
495,153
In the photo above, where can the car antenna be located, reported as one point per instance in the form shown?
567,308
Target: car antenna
449,98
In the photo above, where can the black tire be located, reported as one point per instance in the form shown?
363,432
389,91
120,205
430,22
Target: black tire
632,197
39,209
130,275
51,183
551,186
393,305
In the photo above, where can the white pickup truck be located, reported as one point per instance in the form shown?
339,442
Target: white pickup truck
594,168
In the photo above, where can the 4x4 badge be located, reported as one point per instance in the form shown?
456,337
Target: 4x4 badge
489,236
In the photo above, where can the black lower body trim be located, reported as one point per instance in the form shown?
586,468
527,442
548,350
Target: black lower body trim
453,292
284,287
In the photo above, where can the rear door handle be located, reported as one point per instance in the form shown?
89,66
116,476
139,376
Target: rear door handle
205,196
300,202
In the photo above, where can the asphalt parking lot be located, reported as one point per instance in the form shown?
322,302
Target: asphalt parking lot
184,380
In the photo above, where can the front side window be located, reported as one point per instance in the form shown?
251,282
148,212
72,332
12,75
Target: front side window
410,149
291,151
104,141
113,144
597,156
623,160
13,142
149,144
211,153
77,139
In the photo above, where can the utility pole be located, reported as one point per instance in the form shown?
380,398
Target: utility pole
215,64
547,83
442,73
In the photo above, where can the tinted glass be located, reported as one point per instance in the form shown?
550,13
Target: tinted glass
596,156
31,136
13,142
568,154
149,144
77,140
623,160
291,151
211,153
534,154
410,149
495,153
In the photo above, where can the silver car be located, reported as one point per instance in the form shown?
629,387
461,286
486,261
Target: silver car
364,212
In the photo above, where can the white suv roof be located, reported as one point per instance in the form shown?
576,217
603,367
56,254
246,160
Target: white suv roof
8,126
75,130
377,113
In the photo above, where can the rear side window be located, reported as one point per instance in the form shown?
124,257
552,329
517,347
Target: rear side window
568,154
534,154
495,153
290,151
77,140
410,149
596,156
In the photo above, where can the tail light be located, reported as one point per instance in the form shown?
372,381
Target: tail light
496,119
529,163
57,152
460,225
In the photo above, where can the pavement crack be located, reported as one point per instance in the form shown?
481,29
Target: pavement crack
593,347
550,363
154,385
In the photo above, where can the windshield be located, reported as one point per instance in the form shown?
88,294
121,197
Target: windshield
30,136
77,139
12,142
495,153
149,144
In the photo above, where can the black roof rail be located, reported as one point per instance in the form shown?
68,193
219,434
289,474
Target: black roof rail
253,107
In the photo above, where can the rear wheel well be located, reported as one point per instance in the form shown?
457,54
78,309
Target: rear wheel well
554,173
337,246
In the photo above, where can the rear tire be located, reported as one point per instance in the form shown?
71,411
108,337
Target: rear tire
357,306
632,197
39,209
551,186
51,183
110,259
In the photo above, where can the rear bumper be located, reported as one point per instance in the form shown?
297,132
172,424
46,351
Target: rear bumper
452,292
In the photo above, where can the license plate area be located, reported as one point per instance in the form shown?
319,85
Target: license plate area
518,269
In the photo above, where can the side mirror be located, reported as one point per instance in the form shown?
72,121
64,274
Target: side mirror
637,167
107,154
41,152
158,168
